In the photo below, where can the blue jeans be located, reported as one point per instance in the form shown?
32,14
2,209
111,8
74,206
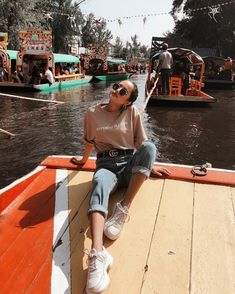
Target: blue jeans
115,172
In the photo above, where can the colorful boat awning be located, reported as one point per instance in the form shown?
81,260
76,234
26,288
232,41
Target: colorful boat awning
12,54
116,61
66,58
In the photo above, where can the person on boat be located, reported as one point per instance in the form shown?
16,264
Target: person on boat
164,66
25,70
3,73
197,73
49,75
115,130
228,67
82,65
36,76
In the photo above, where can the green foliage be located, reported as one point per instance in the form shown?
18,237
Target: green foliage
63,17
202,28
14,17
118,48
132,49
94,32
66,21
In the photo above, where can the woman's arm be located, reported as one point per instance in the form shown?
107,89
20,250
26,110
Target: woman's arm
80,160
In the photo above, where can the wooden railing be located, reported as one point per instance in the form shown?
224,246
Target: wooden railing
68,77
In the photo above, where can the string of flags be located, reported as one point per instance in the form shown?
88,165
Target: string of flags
212,11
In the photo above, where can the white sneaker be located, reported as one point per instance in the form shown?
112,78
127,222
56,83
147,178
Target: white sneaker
113,225
98,265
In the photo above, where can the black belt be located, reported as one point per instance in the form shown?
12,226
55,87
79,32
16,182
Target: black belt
114,153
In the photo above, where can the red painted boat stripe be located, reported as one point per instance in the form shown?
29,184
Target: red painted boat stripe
182,173
27,238
8,194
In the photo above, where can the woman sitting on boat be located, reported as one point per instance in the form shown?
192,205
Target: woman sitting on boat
115,130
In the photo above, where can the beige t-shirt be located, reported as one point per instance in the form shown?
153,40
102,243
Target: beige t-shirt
108,130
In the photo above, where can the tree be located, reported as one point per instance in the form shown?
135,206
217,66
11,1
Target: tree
65,23
134,46
63,17
117,48
14,17
204,28
94,32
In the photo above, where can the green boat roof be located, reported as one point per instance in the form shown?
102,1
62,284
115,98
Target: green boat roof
116,61
12,54
57,57
65,58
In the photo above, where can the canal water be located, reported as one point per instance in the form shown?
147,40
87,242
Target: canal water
183,135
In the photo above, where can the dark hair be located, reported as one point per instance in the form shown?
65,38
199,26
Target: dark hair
164,46
132,98
134,93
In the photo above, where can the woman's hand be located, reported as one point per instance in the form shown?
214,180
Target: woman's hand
160,171
78,160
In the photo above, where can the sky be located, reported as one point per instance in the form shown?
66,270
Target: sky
112,10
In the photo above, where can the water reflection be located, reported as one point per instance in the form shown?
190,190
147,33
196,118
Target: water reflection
184,135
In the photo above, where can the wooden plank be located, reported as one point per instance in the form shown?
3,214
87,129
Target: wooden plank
169,259
79,188
136,248
213,256
130,251
41,283
233,202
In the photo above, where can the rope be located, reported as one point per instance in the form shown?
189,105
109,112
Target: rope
32,99
149,95
7,133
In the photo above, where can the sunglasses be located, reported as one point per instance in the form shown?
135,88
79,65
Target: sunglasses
122,92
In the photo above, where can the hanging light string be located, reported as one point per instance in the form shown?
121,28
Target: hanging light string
166,13
49,15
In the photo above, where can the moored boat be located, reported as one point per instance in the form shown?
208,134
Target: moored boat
184,86
35,57
7,65
183,223
104,68
216,76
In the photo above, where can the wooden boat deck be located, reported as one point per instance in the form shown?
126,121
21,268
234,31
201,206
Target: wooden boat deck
180,237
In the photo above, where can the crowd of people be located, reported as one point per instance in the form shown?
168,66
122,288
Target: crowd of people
220,72
36,71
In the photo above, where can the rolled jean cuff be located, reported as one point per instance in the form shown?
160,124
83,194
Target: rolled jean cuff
97,208
142,170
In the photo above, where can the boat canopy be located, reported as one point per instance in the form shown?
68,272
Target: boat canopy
183,54
65,58
12,54
214,60
116,61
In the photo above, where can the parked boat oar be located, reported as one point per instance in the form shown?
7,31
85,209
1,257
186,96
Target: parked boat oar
149,95
32,99
7,133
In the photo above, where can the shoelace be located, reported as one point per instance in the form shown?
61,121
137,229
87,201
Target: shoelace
121,215
91,261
